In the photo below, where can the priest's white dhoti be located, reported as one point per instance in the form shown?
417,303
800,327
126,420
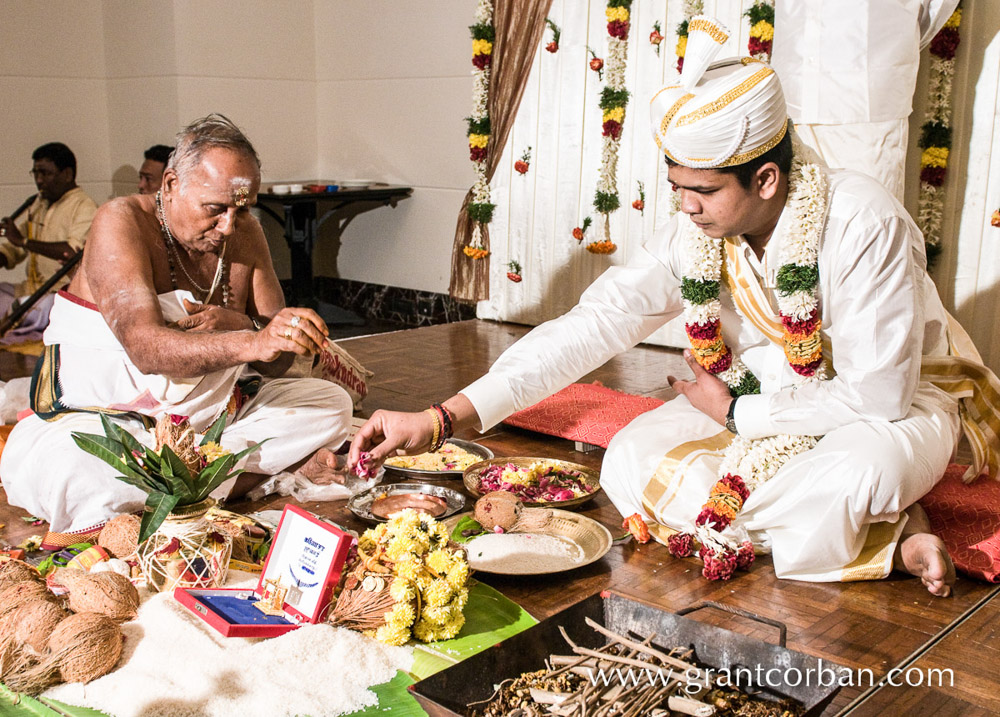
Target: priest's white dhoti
44,472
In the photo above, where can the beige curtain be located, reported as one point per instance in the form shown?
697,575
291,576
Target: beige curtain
519,25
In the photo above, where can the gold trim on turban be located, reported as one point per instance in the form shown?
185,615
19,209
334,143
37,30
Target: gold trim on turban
733,94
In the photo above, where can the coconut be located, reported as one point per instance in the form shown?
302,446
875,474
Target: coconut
105,593
81,648
32,623
16,571
17,594
120,536
86,646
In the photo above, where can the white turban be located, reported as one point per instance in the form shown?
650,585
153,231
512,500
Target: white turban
721,114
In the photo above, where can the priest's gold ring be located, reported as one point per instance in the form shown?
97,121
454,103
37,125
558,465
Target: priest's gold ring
288,333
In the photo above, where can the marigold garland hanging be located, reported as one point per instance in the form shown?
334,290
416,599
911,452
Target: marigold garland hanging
614,98
935,135
761,16
480,209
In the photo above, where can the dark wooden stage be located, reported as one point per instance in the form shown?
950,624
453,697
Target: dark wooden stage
880,625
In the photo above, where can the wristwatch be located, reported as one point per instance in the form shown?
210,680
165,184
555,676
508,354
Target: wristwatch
731,417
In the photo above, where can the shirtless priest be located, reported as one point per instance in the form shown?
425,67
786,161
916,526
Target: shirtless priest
819,411
176,309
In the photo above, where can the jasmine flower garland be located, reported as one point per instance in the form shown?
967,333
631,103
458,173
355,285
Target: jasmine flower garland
748,463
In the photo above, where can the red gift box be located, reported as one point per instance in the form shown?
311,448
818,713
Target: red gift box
306,558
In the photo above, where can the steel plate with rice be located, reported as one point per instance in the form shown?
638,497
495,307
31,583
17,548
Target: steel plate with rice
445,463
568,541
537,482
378,503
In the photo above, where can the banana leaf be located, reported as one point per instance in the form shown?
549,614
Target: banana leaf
103,448
214,432
158,507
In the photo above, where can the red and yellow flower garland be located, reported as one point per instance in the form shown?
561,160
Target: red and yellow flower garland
935,135
761,16
480,209
614,98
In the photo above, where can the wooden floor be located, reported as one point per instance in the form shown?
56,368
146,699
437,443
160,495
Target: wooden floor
878,626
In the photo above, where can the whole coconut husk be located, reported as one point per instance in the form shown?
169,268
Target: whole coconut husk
105,593
120,536
82,648
31,624
17,571
17,594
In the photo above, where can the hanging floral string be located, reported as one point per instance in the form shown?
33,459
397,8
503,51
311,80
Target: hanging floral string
553,46
656,37
935,135
596,63
691,8
480,208
522,165
514,271
614,98
640,203
761,16
581,231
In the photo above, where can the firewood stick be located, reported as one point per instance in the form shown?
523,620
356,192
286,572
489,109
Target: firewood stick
663,657
688,706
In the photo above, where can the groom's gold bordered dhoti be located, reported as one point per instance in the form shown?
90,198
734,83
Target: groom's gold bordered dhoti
834,513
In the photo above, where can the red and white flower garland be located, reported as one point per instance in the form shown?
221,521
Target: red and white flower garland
614,98
750,462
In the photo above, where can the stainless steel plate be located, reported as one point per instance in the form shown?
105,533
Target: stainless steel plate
482,453
361,503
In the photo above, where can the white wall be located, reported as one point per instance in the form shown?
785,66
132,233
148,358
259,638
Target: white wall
393,84
52,85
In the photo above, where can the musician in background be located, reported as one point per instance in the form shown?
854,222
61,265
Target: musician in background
53,230
151,172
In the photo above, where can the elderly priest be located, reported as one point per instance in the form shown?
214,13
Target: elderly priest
176,309
819,411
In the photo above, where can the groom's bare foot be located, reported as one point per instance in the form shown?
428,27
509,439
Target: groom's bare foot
923,554
324,467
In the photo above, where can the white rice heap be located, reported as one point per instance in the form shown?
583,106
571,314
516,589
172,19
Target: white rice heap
174,665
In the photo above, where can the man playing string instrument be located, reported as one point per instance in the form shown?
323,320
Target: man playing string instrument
175,299
819,412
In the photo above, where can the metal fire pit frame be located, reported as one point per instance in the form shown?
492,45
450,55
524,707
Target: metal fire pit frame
450,691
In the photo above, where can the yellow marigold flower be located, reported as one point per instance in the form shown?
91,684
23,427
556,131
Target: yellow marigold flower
955,19
439,532
388,635
425,631
615,113
458,575
682,45
619,14
934,157
439,593
402,590
424,581
402,547
401,616
478,140
212,451
452,628
366,542
461,598
439,561
408,570
763,31
482,47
